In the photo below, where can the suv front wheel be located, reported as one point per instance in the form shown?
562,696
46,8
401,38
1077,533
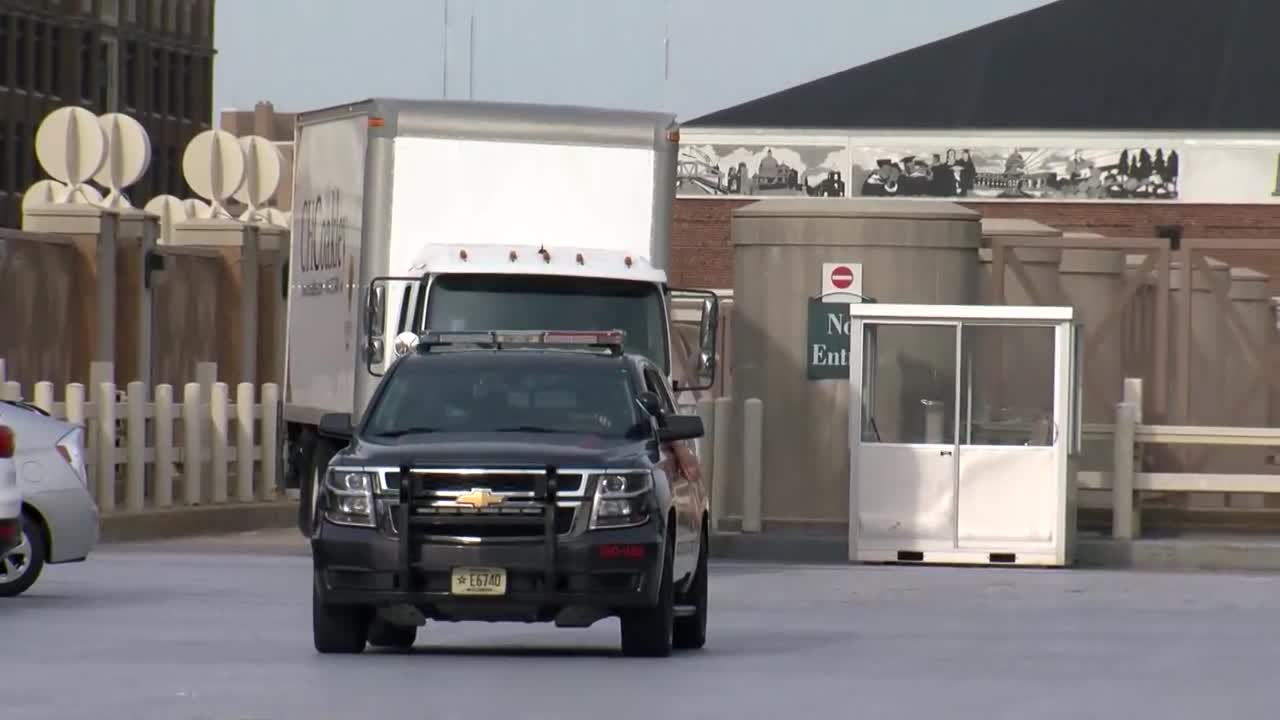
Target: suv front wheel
648,632
338,628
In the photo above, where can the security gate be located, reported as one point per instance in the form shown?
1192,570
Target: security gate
963,421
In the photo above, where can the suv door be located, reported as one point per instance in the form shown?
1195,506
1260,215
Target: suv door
682,467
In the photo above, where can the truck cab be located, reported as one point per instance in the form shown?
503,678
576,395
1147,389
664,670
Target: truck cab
521,287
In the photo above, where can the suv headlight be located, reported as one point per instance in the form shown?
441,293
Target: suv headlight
349,497
622,500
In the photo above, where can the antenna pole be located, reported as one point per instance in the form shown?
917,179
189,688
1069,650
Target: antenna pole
471,60
444,54
666,55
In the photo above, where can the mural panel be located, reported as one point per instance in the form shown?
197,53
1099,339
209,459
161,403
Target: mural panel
762,170
1020,173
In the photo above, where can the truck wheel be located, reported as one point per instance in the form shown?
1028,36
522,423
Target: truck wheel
691,632
337,628
647,632
322,451
300,462
386,635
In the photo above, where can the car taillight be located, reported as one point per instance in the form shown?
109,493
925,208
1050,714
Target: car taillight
8,442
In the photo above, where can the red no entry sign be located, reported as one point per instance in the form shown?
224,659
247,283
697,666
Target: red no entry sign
842,277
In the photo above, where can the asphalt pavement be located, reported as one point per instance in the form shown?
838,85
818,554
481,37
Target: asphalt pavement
220,628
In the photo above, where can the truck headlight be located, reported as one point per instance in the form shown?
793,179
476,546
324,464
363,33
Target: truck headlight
622,500
349,497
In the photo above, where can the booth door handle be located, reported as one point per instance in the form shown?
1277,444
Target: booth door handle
944,452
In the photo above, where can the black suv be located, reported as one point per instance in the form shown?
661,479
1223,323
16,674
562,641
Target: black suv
524,477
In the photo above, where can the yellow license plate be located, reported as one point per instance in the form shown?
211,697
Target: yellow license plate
479,581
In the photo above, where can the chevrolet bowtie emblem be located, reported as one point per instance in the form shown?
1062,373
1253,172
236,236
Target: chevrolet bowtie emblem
480,499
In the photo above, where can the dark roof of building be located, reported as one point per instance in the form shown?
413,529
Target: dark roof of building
1069,65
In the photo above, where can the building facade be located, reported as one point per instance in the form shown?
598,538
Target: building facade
1054,115
150,59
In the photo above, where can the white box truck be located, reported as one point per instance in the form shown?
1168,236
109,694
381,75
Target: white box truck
415,215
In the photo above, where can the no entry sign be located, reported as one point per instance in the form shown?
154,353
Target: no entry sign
841,282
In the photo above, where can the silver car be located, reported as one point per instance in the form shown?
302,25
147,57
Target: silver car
10,495
60,521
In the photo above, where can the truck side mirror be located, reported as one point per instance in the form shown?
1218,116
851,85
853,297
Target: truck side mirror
708,337
704,365
374,321
376,340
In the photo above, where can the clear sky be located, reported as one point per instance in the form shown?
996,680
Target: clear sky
303,54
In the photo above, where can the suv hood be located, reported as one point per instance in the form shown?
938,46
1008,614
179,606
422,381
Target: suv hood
501,449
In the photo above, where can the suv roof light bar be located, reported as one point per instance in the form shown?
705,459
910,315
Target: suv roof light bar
612,340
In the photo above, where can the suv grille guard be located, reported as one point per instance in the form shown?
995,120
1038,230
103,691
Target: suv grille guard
545,495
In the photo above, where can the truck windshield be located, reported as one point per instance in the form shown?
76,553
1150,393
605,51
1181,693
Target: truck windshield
507,302
467,397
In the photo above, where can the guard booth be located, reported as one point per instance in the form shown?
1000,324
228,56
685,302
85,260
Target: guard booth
964,426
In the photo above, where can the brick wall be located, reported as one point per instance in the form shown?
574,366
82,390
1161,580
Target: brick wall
702,255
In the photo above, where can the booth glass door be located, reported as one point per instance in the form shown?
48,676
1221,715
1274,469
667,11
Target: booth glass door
906,459
1011,434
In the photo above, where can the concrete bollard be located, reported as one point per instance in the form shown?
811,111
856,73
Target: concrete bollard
720,460
752,461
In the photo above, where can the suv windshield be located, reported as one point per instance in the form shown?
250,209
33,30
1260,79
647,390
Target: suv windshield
426,397
507,302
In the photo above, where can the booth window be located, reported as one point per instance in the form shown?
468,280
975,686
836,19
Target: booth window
909,384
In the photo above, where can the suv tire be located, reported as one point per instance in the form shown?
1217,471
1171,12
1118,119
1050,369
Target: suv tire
648,632
337,628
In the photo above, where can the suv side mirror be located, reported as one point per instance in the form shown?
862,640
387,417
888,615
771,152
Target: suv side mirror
681,427
336,425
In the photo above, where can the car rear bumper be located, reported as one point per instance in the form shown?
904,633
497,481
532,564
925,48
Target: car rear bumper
601,571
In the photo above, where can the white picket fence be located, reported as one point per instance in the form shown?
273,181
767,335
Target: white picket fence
158,453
